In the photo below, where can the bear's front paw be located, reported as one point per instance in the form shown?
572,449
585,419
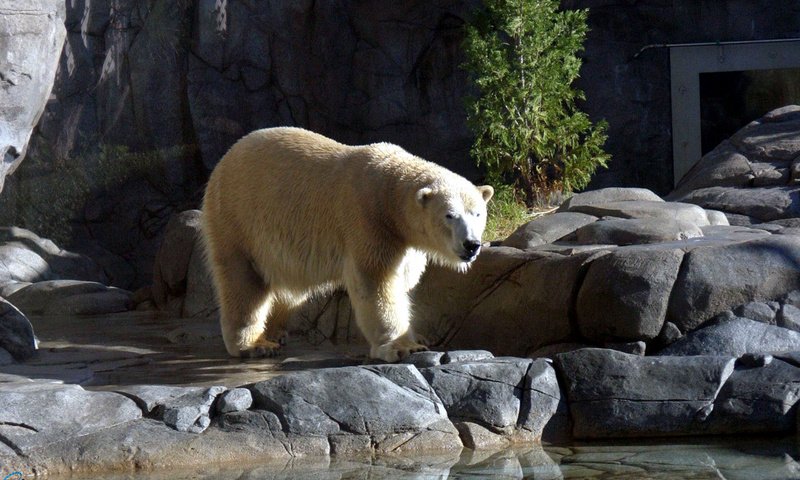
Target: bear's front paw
395,350
261,348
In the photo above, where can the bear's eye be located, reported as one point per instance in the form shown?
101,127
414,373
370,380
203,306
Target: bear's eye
449,216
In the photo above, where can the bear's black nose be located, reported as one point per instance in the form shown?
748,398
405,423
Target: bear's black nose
471,246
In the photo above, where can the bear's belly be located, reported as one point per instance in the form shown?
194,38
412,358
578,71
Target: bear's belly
298,267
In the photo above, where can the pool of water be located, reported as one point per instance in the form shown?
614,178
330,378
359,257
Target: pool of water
741,459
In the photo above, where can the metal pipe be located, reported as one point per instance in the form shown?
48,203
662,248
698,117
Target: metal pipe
710,44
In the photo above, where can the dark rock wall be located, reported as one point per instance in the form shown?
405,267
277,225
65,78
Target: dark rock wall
633,92
150,93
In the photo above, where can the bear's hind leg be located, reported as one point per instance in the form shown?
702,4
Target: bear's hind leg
245,301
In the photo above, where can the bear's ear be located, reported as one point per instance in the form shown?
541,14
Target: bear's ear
423,195
486,192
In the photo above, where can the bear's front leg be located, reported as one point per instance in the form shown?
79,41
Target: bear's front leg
383,313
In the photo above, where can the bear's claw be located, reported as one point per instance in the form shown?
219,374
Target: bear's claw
263,348
397,349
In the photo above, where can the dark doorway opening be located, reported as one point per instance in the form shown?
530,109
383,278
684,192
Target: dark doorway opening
731,100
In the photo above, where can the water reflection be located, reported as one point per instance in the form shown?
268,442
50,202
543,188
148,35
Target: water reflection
757,459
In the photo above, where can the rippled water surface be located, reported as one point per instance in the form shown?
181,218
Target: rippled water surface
744,459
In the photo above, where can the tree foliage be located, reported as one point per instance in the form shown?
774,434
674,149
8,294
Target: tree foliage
523,57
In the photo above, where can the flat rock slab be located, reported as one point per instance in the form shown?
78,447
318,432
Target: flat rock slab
684,212
635,231
606,195
71,297
37,414
26,257
613,394
547,229
735,337
763,204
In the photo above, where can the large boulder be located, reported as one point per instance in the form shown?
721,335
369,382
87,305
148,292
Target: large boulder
368,402
16,332
31,35
613,394
506,290
182,283
717,278
625,294
753,175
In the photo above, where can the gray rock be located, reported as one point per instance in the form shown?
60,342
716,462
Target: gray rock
764,204
172,263
190,412
792,298
758,399
753,360
788,317
635,231
423,359
718,278
634,348
489,393
547,229
38,414
5,357
25,257
460,356
769,176
33,33
765,140
606,195
613,394
200,299
543,413
759,311
658,210
16,332
510,302
669,334
478,437
379,400
71,297
548,351
715,217
735,337
235,400
633,306
152,398
723,166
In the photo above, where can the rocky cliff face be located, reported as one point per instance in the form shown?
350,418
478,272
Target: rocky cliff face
149,95
31,36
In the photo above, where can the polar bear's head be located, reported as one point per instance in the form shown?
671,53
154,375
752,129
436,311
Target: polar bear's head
454,221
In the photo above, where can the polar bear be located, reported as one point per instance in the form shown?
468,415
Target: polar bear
288,213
